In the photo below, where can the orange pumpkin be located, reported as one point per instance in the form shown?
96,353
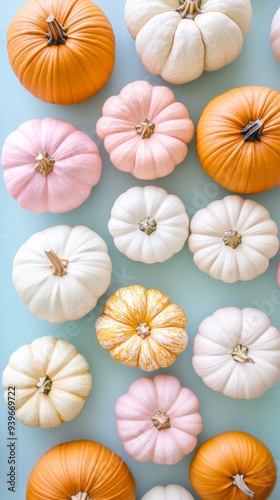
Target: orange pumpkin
62,52
80,470
238,139
232,466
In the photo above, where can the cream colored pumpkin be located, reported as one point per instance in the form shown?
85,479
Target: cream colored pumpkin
237,352
148,224
51,379
179,39
61,272
170,492
233,239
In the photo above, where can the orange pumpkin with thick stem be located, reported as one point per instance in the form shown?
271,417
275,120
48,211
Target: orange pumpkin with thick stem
233,465
80,470
62,52
238,139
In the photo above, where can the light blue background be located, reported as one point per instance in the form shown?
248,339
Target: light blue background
197,293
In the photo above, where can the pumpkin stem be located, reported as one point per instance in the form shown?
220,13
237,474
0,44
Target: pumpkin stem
232,238
161,420
81,496
44,163
148,225
240,354
189,8
145,128
56,34
44,384
59,265
253,131
238,481
143,330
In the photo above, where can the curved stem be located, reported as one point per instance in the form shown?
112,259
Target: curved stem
148,225
232,238
253,131
240,354
59,265
44,384
145,128
82,495
44,163
189,8
238,480
161,420
56,33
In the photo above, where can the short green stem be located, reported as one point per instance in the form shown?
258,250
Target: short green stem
232,238
44,384
189,8
240,354
148,225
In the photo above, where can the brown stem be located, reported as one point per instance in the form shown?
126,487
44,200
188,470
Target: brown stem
145,128
44,163
253,131
161,420
82,495
240,354
148,225
238,481
44,384
59,266
189,8
143,330
56,34
232,238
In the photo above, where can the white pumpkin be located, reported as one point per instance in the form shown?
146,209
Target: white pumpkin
148,224
179,39
233,239
61,272
51,379
237,352
170,492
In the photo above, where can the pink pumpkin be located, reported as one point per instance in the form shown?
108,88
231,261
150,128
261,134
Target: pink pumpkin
275,35
145,131
49,165
158,420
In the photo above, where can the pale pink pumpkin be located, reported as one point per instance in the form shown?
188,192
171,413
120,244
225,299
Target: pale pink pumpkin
158,420
49,165
275,35
145,131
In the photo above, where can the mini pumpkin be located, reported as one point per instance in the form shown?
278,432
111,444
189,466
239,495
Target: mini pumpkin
170,492
179,39
142,328
61,52
49,165
148,224
233,465
158,420
275,35
61,272
52,381
237,139
233,239
145,130
80,470
237,352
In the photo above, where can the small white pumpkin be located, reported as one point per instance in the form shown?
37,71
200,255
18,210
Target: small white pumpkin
233,239
237,352
61,272
179,39
170,492
51,379
148,224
